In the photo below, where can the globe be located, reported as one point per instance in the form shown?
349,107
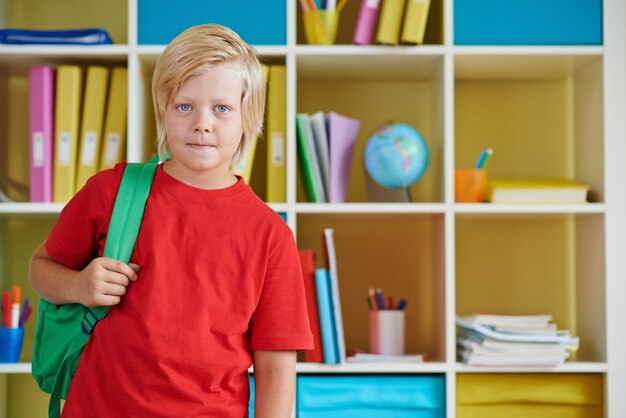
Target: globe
396,156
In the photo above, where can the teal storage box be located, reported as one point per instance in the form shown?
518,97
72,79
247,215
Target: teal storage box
530,22
370,396
251,402
257,22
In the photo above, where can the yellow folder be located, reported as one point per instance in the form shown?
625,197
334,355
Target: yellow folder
244,168
114,134
390,22
67,118
276,134
94,104
415,18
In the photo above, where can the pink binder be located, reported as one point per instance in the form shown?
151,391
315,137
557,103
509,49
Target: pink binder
41,105
366,22
342,133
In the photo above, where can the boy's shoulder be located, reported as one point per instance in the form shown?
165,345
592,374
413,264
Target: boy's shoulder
104,184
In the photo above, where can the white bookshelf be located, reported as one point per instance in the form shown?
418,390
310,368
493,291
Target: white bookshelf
446,73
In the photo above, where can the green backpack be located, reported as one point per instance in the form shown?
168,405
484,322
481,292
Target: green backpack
63,330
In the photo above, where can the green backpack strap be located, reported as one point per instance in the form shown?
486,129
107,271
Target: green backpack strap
123,230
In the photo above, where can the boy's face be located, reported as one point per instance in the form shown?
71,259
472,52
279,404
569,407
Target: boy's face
204,127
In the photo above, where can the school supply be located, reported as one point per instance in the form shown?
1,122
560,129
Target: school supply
63,330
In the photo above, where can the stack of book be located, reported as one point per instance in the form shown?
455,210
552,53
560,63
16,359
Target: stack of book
513,340
393,22
325,147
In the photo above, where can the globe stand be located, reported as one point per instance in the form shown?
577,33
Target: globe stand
407,194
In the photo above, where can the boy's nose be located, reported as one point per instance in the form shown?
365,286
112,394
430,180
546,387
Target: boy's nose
204,123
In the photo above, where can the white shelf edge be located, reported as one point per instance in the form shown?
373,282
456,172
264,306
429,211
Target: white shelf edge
372,368
496,208
365,208
372,208
30,208
15,368
370,50
66,50
571,367
527,50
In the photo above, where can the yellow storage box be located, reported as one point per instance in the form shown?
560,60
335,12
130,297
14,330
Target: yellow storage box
495,395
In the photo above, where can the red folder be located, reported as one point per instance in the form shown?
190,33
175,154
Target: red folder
307,261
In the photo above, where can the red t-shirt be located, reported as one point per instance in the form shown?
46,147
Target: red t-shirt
220,277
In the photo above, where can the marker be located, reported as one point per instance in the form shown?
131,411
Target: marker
484,158
24,313
401,305
372,299
6,308
380,300
15,307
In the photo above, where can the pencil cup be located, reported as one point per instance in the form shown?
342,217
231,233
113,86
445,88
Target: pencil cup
11,344
470,185
387,332
320,26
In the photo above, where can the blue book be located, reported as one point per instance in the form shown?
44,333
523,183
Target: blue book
327,322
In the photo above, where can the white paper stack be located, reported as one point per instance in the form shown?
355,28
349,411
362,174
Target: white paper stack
513,340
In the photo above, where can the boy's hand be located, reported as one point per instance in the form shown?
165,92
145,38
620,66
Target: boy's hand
103,282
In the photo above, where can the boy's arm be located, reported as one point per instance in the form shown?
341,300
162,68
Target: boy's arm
274,383
102,283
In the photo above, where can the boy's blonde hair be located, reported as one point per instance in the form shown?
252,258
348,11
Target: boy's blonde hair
201,48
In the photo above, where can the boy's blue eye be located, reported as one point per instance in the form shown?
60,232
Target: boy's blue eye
221,109
184,107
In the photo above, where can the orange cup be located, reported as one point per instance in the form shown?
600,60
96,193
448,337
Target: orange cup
470,185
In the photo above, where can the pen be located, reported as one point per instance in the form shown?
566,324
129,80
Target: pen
484,158
401,304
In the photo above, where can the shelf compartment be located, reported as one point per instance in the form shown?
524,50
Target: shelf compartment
53,15
536,263
400,253
542,116
261,23
534,22
376,90
433,35
371,396
536,395
14,123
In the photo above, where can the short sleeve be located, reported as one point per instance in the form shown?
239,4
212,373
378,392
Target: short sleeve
77,236
280,321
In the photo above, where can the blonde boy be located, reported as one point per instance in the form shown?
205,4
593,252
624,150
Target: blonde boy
214,284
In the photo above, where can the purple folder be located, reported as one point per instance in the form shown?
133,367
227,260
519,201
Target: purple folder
41,106
342,133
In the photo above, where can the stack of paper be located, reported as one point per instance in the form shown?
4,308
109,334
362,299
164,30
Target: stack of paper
513,340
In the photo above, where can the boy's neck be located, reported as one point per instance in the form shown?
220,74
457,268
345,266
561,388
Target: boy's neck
200,179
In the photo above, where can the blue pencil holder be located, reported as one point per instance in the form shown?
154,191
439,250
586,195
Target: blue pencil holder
11,340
